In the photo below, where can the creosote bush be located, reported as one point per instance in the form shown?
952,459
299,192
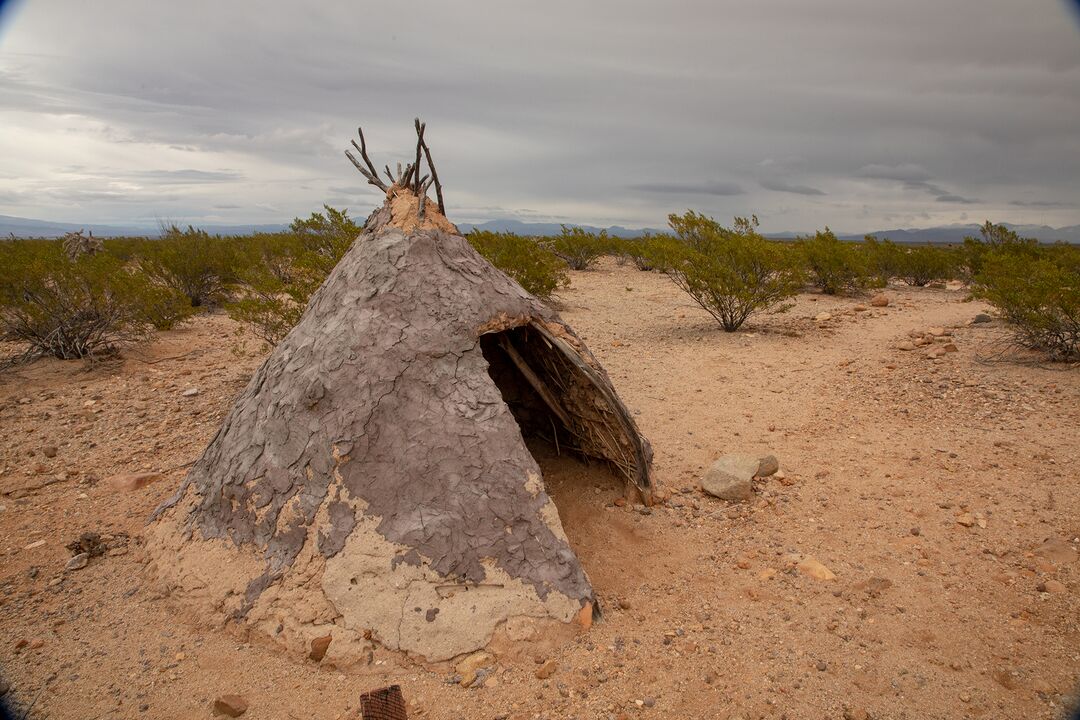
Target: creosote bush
835,266
993,237
281,271
882,260
535,267
192,262
637,250
924,264
732,273
581,249
78,308
1036,289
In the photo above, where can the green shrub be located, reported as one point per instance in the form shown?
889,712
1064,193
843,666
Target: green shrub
975,250
282,271
125,249
80,308
881,259
535,268
191,262
636,250
1038,292
580,249
835,266
323,241
731,273
923,264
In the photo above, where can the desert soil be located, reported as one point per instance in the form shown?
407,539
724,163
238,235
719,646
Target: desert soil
928,487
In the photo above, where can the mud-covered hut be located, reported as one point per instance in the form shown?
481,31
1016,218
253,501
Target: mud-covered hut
371,486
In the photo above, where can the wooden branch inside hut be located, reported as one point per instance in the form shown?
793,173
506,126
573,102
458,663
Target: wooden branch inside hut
534,380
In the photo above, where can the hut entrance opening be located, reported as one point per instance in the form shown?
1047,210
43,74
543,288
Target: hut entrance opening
556,403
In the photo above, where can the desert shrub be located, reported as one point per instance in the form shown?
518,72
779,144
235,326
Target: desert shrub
992,237
192,262
834,266
80,308
881,259
161,306
125,248
637,251
1038,292
323,240
581,249
281,271
923,264
533,266
731,273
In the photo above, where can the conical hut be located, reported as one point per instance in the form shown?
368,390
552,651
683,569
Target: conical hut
371,487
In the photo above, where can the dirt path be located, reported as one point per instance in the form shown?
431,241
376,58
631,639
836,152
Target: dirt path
924,485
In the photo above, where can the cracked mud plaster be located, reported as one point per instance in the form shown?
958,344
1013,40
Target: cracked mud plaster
375,431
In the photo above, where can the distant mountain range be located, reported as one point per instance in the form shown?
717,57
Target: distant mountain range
527,228
941,234
26,227
957,233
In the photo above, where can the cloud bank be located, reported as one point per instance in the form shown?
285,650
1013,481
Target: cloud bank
852,114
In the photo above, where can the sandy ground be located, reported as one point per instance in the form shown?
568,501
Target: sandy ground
927,486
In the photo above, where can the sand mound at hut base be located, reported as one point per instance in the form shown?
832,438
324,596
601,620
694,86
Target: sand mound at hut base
382,615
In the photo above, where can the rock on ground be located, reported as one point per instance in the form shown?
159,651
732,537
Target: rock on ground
547,669
130,482
230,706
319,646
811,567
729,478
767,466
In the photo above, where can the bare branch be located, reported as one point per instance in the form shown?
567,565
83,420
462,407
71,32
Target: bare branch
434,177
372,179
423,198
363,152
420,127
409,176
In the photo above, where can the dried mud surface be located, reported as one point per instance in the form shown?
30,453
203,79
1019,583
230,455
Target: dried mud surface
927,486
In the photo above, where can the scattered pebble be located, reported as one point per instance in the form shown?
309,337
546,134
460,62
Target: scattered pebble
230,705
547,670
132,481
1051,586
319,646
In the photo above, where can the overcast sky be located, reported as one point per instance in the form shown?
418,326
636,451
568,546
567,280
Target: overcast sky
854,114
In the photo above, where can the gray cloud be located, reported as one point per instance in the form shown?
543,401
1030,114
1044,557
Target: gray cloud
705,188
186,177
594,113
905,172
1040,203
949,198
782,186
